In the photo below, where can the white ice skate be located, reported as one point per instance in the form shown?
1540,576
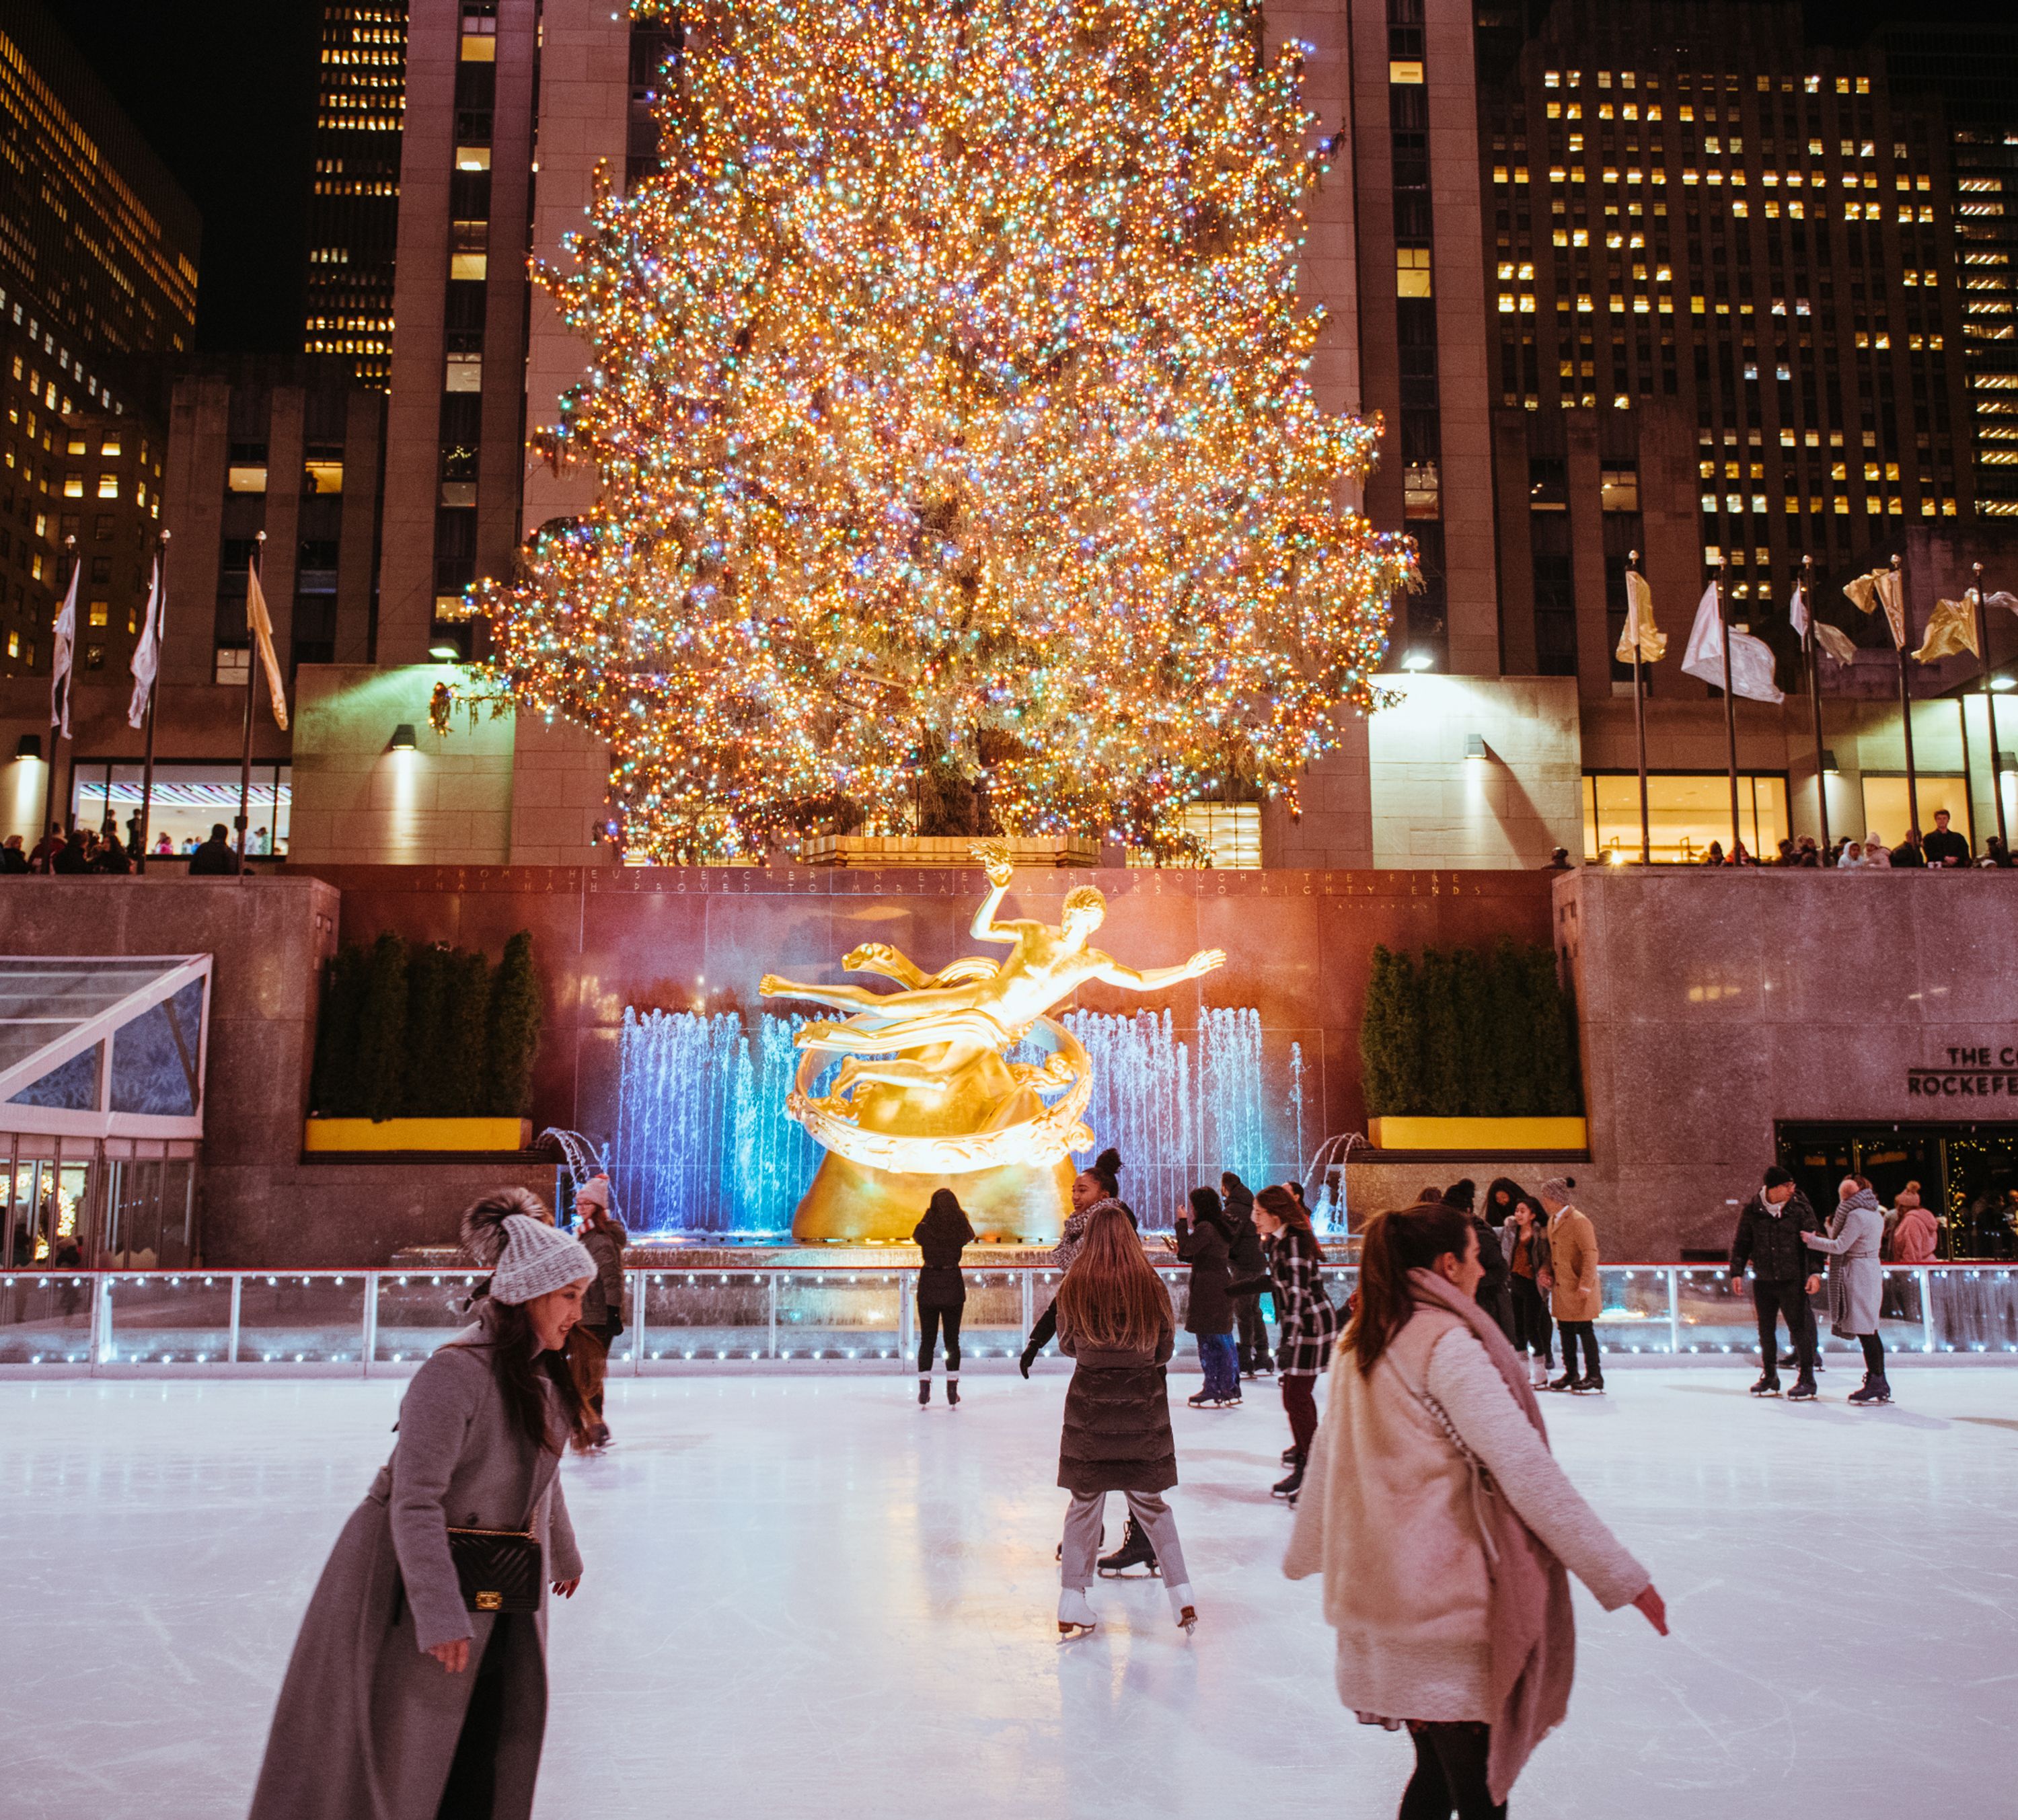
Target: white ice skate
1075,1615
1182,1609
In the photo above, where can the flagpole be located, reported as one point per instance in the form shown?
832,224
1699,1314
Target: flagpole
1729,710
1808,642
1906,702
1640,730
251,676
1990,707
56,725
159,607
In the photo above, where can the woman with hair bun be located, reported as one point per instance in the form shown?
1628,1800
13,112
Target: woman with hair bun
1442,1524
412,1693
1307,1322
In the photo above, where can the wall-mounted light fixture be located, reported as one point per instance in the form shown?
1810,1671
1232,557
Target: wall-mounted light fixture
29,745
1474,746
2004,682
1418,659
402,737
445,652
1828,761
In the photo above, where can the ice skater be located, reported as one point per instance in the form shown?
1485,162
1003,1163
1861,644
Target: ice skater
1574,1296
1116,1323
1857,1280
1203,1242
417,1688
1307,1322
1525,1238
1091,1188
603,1238
1442,1526
941,1236
1246,1261
1773,1234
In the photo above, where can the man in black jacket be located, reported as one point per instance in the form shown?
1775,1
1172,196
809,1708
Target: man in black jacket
1771,1237
215,859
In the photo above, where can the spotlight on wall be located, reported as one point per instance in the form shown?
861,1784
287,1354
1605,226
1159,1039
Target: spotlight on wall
402,737
2004,682
1418,659
1828,762
443,652
29,745
1474,746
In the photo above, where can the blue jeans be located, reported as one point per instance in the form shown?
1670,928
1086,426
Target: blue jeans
1221,1360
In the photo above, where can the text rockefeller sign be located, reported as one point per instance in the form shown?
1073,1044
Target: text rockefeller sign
1970,1074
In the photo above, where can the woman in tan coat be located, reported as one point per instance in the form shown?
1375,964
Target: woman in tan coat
1442,1526
1574,1298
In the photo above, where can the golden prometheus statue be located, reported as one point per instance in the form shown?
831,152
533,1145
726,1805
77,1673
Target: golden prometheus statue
925,1095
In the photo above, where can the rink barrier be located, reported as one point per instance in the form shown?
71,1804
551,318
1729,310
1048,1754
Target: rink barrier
384,1322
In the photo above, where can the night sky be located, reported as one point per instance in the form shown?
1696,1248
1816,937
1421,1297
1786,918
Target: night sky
225,92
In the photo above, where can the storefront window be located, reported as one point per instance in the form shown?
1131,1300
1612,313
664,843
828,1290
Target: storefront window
188,801
1685,812
1887,809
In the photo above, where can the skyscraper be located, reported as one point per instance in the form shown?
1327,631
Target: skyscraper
98,266
354,206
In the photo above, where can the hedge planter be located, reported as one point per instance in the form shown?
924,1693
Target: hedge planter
1484,1137
353,1136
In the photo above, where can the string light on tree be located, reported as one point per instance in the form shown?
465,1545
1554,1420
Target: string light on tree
947,398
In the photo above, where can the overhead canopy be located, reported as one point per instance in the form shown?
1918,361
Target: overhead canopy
104,1045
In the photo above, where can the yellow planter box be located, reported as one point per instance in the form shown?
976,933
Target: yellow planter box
1487,1136
416,1134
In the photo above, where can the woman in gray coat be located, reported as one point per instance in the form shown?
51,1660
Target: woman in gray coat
400,1703
1856,1280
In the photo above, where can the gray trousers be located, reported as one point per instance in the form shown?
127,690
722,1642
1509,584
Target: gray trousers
1082,1542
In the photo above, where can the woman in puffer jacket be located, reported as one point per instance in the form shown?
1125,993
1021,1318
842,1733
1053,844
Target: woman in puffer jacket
1442,1526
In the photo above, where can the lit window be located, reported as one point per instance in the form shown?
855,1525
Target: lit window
246,477
1411,272
74,486
76,446
472,158
100,613
323,474
108,487
1405,70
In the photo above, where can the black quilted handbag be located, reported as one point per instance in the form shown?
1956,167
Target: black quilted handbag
499,1570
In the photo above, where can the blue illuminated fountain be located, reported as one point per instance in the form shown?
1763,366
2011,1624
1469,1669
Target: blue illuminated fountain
703,1144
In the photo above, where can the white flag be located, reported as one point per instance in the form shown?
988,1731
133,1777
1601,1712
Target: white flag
1751,659
260,625
1797,610
1640,633
66,653
147,653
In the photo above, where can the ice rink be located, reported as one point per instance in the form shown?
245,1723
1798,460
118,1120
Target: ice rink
806,1599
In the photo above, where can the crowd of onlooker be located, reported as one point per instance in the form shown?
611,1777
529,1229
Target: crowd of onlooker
76,850
1944,849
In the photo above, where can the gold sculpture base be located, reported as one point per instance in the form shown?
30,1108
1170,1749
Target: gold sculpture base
1016,1203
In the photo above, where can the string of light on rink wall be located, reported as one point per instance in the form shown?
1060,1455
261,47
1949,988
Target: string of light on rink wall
361,1323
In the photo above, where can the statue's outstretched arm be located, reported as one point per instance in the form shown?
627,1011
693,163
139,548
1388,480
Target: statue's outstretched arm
995,862
1155,979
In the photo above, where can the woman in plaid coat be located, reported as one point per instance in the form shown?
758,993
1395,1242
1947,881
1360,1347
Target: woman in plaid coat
1307,1322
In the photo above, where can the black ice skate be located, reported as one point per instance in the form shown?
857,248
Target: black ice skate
1135,1550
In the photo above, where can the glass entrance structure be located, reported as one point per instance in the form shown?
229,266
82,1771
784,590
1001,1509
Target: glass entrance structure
1967,1175
102,1061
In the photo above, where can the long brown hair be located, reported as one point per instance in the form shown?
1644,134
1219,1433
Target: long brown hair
1111,1299
1395,1244
509,1333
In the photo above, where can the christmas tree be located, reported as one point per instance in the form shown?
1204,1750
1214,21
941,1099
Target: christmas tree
948,401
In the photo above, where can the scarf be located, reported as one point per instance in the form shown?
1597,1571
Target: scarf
1531,1631
1863,1198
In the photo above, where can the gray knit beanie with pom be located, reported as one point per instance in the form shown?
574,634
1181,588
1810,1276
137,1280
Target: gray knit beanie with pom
509,1232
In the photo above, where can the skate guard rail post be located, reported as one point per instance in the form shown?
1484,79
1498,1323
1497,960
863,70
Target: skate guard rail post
383,1323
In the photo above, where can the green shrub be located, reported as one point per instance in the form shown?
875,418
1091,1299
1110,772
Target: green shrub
1391,1037
332,1087
1462,1035
466,1036
380,1051
427,964
515,1029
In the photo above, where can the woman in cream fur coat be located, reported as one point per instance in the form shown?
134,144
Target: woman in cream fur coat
1442,1526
